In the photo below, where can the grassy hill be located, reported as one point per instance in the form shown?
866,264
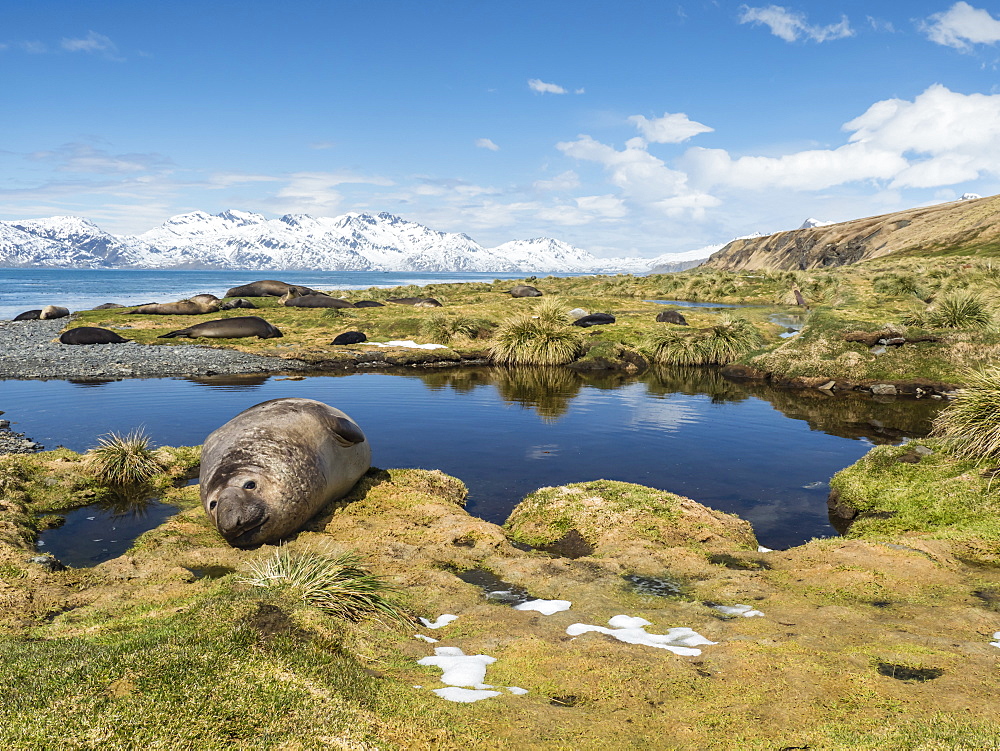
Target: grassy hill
969,227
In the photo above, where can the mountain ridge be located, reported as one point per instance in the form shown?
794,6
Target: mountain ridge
235,239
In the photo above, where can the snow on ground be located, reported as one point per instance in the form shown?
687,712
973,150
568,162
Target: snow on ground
746,611
631,630
407,343
442,620
545,607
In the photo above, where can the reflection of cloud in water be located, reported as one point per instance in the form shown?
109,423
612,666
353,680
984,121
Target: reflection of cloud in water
666,412
543,451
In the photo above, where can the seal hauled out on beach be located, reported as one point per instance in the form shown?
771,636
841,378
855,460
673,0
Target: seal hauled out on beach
29,315
195,306
90,335
525,290
270,469
228,328
53,311
292,300
265,288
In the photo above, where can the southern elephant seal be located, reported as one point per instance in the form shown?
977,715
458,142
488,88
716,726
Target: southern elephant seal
239,302
313,301
270,469
350,337
53,311
672,316
90,335
594,319
416,302
228,328
263,288
29,315
524,290
107,306
368,304
190,307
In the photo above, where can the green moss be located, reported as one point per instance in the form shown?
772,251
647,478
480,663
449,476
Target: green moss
940,497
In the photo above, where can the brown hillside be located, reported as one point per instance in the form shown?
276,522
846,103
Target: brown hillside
958,225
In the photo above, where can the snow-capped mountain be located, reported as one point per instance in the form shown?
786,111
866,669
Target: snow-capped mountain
245,240
810,223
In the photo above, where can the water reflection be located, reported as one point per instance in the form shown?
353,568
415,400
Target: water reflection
745,448
239,382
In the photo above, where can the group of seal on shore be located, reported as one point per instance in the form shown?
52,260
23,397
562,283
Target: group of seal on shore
270,469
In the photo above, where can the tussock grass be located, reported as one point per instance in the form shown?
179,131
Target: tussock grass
971,423
337,585
722,344
524,340
442,327
121,460
960,309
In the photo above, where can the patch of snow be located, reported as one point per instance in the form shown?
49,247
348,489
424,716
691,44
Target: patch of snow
746,611
996,643
545,607
427,639
762,549
969,197
458,668
442,620
631,630
464,695
407,343
517,691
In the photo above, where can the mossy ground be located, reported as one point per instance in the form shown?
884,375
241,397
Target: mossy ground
141,651
866,297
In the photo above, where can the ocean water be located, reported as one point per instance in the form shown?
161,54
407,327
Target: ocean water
82,289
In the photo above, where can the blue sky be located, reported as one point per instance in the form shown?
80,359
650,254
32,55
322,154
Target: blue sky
625,128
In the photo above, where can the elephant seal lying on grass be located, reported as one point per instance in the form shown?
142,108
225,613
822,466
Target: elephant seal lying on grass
270,469
228,328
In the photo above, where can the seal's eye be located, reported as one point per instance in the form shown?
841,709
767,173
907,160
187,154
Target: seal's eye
212,505
249,485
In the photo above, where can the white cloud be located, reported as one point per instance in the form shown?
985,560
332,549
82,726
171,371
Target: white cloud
93,42
322,145
961,25
940,138
671,128
486,143
637,172
315,192
566,181
79,157
791,25
547,88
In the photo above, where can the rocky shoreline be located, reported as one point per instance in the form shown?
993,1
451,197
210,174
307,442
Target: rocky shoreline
30,349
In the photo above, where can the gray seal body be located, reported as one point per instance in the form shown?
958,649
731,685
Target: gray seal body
228,328
270,469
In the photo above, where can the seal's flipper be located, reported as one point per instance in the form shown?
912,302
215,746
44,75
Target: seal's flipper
346,432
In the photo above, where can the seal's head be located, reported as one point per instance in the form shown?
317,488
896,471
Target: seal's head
239,510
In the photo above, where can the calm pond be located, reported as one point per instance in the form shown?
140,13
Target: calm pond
764,454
